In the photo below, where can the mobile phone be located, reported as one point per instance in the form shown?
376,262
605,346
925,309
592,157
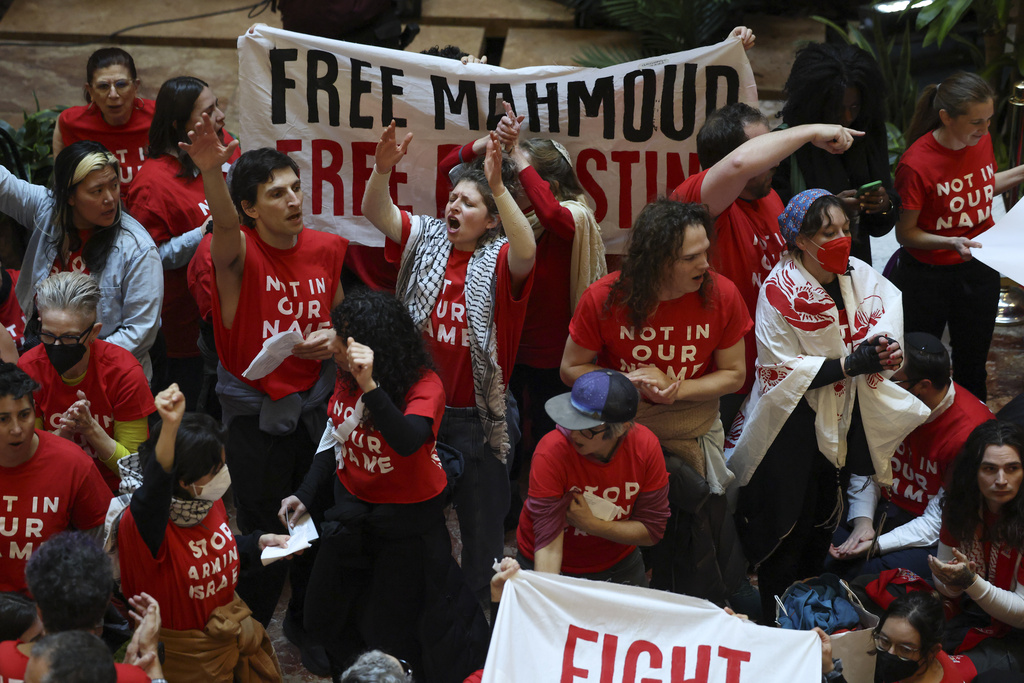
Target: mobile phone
867,187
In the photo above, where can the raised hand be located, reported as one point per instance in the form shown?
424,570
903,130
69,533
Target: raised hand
492,165
170,405
360,364
208,151
389,151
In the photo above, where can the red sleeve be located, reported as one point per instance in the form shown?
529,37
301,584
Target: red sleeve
134,399
127,673
392,251
734,313
584,328
200,277
92,497
459,155
553,216
426,399
689,190
475,677
910,186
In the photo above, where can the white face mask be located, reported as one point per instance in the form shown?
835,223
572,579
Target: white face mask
215,488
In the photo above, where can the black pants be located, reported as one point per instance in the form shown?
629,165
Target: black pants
964,296
531,387
265,469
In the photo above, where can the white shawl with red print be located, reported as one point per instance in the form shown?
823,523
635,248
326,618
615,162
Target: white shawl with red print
797,329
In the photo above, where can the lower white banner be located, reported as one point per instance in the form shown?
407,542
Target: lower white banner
559,629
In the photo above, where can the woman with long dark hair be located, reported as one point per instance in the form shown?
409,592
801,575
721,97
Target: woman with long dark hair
385,555
978,563
113,115
827,326
168,198
947,179
841,84
79,226
675,328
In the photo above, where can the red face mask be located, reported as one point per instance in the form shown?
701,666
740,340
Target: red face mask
834,255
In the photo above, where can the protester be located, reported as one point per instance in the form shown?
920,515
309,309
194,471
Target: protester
596,453
947,179
71,579
114,115
978,564
466,286
271,276
912,509
827,325
48,483
90,391
167,197
384,576
621,320
79,227
174,542
841,83
908,646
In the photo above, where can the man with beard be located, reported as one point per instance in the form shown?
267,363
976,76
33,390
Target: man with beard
739,156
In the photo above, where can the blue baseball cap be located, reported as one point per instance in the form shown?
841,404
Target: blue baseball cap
597,398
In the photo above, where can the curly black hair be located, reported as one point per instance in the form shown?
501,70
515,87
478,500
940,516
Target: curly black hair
16,383
819,78
962,507
654,244
72,580
380,321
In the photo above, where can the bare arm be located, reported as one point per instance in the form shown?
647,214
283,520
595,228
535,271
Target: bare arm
227,247
1008,178
909,234
576,361
624,531
522,248
725,181
378,207
8,349
549,558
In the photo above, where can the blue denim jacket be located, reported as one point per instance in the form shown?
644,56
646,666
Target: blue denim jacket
131,284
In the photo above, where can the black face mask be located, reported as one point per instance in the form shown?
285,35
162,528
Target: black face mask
63,357
889,668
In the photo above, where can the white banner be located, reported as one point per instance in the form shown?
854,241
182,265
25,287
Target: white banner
630,129
559,629
1002,245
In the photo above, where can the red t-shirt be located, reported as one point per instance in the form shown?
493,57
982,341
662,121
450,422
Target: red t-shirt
637,467
919,464
128,142
200,278
282,289
75,262
372,267
11,315
56,489
13,664
169,206
956,668
1000,574
953,190
195,572
448,332
372,470
747,246
679,338
114,383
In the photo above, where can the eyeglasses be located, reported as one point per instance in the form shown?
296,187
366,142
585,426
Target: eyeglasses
406,668
121,86
904,652
591,433
904,383
64,339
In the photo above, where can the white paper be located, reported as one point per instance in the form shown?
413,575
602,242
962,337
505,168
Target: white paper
602,509
275,350
302,535
1003,245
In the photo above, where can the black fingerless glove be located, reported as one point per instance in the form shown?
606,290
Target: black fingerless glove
864,359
